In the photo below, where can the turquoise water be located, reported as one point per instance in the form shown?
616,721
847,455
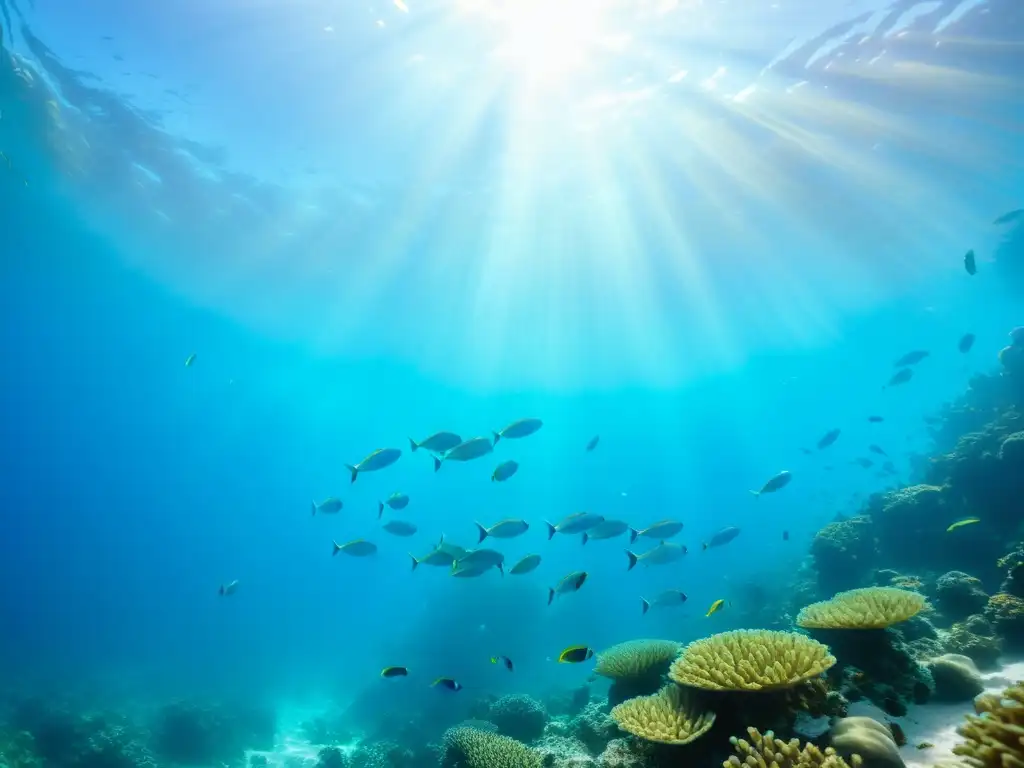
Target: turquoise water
704,234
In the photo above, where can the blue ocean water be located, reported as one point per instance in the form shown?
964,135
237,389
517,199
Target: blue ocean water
701,231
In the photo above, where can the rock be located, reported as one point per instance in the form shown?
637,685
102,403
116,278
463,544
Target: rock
959,595
868,738
956,678
975,639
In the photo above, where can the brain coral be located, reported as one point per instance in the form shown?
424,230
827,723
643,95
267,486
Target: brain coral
765,751
519,716
995,737
868,608
470,748
670,716
750,660
636,658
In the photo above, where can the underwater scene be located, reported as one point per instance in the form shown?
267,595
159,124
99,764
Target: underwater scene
512,384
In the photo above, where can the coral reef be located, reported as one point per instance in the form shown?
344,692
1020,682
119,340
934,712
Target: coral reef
1006,612
617,754
959,595
194,733
868,740
993,737
470,748
636,667
909,514
867,608
765,751
563,752
519,716
975,638
671,716
329,757
844,553
594,727
750,660
956,677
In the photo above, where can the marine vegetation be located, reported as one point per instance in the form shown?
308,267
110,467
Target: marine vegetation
765,751
671,716
636,667
993,737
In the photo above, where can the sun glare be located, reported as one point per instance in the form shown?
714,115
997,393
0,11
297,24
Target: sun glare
544,37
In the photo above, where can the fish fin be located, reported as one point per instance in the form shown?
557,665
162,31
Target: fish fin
353,470
633,533
585,537
483,533
704,546
646,606
412,445
497,437
380,509
415,562
501,569
551,530
222,589
337,548
632,560
437,463
313,507
551,595
755,494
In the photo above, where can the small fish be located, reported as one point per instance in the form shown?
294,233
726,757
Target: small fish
666,552
480,558
925,745
877,449
966,342
517,429
467,450
863,463
667,598
505,661
828,438
506,529
575,654
609,529
876,419
775,483
593,443
723,537
962,523
443,554
399,528
1009,217
504,471
970,264
329,506
661,530
715,607
190,359
568,584
395,501
911,358
394,672
379,459
470,571
229,589
785,535
446,682
525,565
900,377
356,548
577,522
439,442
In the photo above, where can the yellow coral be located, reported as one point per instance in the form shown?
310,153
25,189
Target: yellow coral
636,658
670,716
750,660
868,608
995,737
481,749
765,751
1003,606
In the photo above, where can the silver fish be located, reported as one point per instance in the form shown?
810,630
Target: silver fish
504,471
439,442
661,530
775,483
506,529
666,552
484,558
570,583
379,459
609,529
527,564
669,597
329,506
723,537
357,548
520,428
468,450
395,501
399,528
577,522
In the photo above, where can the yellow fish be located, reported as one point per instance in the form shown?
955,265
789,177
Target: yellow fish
962,523
715,607
190,359
575,654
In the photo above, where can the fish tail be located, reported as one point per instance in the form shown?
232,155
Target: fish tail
412,445
497,437
415,562
437,463
551,530
337,548
632,560
313,507
585,537
483,533
633,533
501,569
755,494
380,509
353,470
551,595
645,605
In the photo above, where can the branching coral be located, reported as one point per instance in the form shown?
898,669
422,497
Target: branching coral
750,660
765,751
635,658
470,748
868,608
994,738
670,716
